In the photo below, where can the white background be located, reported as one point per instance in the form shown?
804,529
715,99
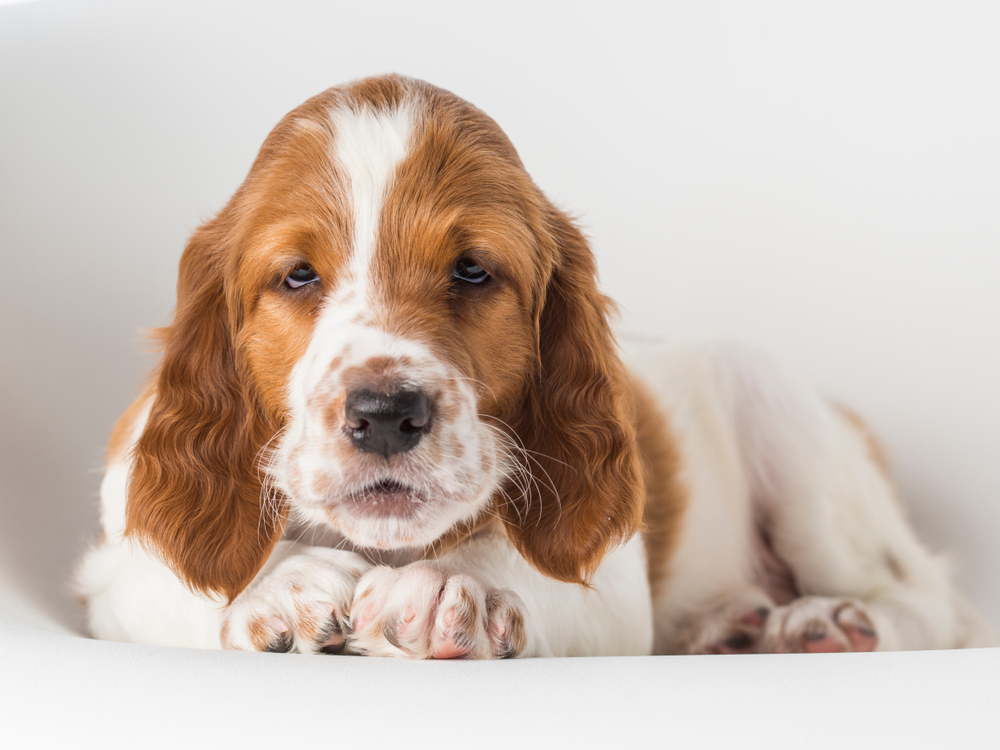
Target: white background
822,179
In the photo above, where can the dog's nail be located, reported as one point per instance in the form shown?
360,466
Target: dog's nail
278,625
738,642
334,643
281,645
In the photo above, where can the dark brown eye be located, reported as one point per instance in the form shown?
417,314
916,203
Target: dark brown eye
470,271
301,276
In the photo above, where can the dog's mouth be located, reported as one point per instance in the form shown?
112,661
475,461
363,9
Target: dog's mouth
387,499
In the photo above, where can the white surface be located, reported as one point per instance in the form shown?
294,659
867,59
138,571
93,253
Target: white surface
104,694
822,179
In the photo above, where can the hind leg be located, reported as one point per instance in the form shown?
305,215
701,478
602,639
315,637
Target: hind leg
735,625
822,493
703,576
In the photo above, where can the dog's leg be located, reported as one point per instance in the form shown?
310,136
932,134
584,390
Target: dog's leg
824,499
298,601
483,600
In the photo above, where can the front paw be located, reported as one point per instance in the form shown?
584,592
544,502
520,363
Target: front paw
301,605
421,613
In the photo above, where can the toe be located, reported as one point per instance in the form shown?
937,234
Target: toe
505,624
857,626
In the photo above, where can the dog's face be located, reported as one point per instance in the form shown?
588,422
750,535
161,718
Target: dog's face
392,332
397,321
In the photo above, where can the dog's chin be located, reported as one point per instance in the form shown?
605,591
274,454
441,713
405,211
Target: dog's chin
391,515
385,500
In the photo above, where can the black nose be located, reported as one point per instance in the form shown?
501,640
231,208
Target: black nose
387,423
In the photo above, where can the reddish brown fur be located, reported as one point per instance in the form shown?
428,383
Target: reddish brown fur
666,496
484,524
260,634
537,342
875,450
308,625
574,417
121,434
194,494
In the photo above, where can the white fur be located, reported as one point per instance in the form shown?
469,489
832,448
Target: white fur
368,146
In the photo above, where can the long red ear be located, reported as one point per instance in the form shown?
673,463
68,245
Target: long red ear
194,494
587,495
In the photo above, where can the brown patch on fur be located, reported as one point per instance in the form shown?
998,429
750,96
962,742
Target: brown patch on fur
308,624
499,613
470,605
260,634
575,421
516,637
383,92
666,495
875,449
895,567
380,374
335,413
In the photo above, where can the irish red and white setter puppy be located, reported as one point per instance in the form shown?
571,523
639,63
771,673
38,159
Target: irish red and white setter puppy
391,419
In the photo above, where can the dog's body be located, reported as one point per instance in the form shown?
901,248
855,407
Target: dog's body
391,418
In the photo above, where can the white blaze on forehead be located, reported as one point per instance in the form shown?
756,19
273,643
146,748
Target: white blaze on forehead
368,146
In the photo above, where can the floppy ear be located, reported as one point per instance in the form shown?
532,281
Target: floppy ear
194,494
575,422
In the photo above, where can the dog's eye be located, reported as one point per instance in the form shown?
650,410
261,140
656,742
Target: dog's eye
301,276
470,271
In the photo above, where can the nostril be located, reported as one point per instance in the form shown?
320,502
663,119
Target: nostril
355,422
353,411
410,425
418,412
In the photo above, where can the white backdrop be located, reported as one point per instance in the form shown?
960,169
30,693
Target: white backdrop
822,179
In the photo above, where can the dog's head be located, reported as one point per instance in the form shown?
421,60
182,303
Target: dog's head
389,330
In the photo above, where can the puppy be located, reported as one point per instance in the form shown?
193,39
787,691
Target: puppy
391,419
